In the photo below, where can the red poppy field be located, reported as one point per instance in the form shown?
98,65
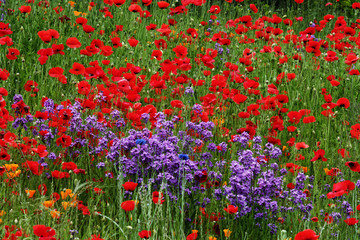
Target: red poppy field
189,119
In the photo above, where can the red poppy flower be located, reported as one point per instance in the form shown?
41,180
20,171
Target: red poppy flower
106,51
42,189
180,51
56,72
12,53
116,42
77,69
156,54
69,166
79,171
147,2
253,8
231,209
60,175
73,42
290,185
177,104
130,186
288,22
81,20
215,9
351,221
145,234
301,145
157,197
291,128
88,28
307,234
343,153
95,237
343,102
341,188
25,9
319,154
202,177
34,167
128,205
6,40
44,232
98,191
2,170
331,56
133,42
355,131
135,8
4,155
163,4
64,141
351,58
356,5
4,29
84,88
239,98
160,43
118,3
41,149
354,166
253,109
58,49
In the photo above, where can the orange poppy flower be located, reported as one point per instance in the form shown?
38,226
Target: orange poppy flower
48,204
76,13
2,213
66,193
11,167
55,214
227,232
30,193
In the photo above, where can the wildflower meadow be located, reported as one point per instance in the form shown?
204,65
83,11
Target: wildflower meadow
179,119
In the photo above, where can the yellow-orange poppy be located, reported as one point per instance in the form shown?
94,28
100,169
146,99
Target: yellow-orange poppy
11,167
13,174
76,13
48,204
2,213
55,214
65,204
227,232
66,193
30,193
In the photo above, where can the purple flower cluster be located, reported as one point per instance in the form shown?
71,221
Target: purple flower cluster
184,162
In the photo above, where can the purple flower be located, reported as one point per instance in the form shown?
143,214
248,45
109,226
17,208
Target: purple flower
189,91
145,117
100,165
17,98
